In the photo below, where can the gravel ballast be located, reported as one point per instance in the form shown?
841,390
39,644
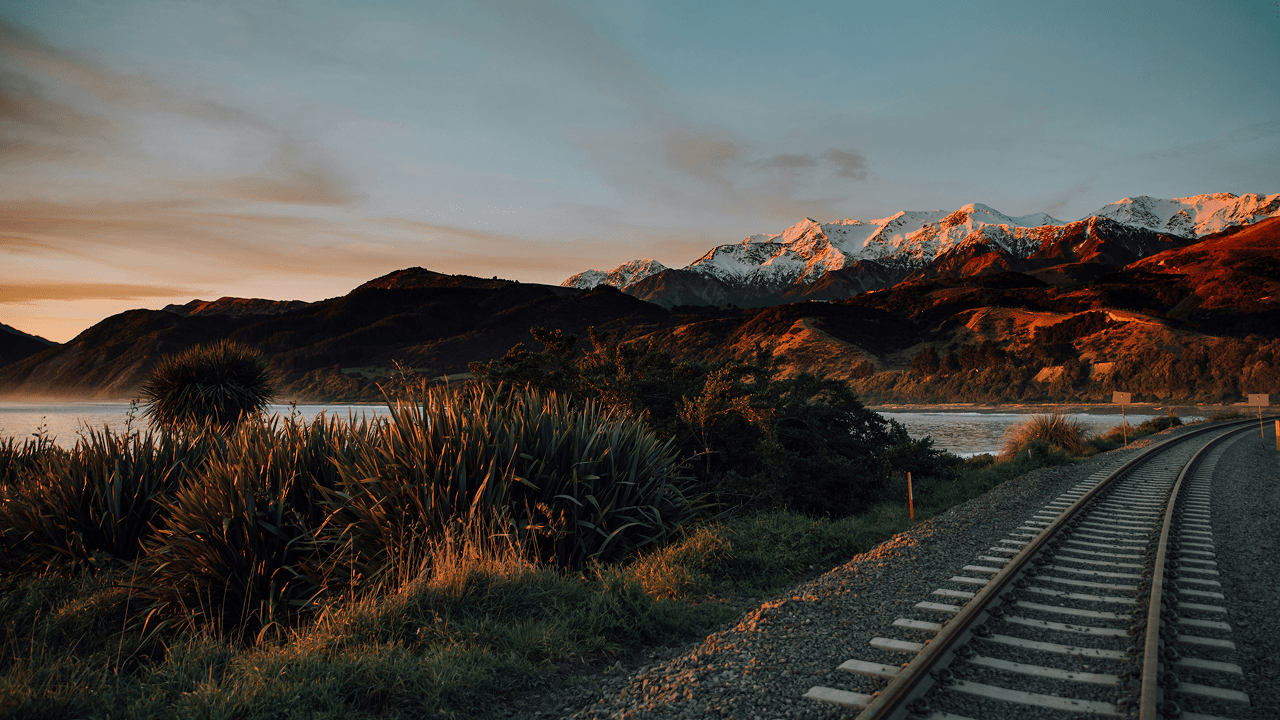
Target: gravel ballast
761,666
1245,508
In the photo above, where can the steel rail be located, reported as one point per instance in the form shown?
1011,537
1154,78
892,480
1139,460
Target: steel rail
1150,695
915,679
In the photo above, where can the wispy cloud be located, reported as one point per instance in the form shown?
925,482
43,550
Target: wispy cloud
20,292
845,163
1055,205
152,138
659,152
1232,138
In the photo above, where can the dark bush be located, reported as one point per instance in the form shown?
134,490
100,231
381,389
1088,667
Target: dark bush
1159,424
756,440
220,384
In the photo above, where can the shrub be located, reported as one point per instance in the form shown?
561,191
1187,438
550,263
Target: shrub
1055,430
574,483
95,503
757,437
1115,436
220,384
237,550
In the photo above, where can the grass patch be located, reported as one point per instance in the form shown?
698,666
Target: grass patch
460,632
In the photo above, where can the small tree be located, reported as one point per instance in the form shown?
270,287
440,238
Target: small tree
219,384
926,361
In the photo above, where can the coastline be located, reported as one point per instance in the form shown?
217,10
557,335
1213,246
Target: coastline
1179,409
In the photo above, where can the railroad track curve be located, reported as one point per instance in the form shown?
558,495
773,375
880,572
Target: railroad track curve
1103,604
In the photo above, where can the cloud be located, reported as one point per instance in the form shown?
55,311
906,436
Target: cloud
846,163
192,246
1239,136
1059,202
19,292
789,162
708,154
71,114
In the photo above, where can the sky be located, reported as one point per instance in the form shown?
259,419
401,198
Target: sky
157,151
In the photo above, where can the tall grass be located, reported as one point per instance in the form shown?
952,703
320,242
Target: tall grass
1054,430
243,528
574,483
93,504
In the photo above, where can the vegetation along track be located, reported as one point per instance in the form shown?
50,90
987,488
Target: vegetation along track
1105,603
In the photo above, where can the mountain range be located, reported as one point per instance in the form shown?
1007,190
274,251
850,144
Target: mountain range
828,261
1130,292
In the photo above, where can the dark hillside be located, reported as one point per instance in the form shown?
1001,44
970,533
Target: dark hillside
16,345
334,348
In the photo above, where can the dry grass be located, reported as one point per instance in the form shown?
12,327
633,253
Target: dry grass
680,569
1055,430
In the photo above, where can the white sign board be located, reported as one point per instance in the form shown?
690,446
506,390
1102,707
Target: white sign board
1120,398
1261,400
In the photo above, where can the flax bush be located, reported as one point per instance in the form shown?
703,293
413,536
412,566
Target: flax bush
573,483
237,547
94,504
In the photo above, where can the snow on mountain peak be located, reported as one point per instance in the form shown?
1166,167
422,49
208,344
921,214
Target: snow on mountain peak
911,239
1194,216
621,276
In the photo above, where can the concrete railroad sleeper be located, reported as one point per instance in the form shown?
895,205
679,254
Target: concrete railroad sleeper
1104,603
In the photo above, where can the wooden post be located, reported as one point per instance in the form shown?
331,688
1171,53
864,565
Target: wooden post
1260,401
911,501
1123,399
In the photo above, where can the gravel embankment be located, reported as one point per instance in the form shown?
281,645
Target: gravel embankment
760,667
1245,508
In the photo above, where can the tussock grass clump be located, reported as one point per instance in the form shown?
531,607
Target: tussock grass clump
1055,430
219,384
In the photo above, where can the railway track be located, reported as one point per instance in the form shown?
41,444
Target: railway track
1104,603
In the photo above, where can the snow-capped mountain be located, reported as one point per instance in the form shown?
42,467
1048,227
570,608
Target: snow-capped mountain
1194,216
621,276
805,259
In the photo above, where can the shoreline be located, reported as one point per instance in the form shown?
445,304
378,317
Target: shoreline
1179,409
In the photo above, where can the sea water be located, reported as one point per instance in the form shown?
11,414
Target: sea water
964,433
64,423
974,433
